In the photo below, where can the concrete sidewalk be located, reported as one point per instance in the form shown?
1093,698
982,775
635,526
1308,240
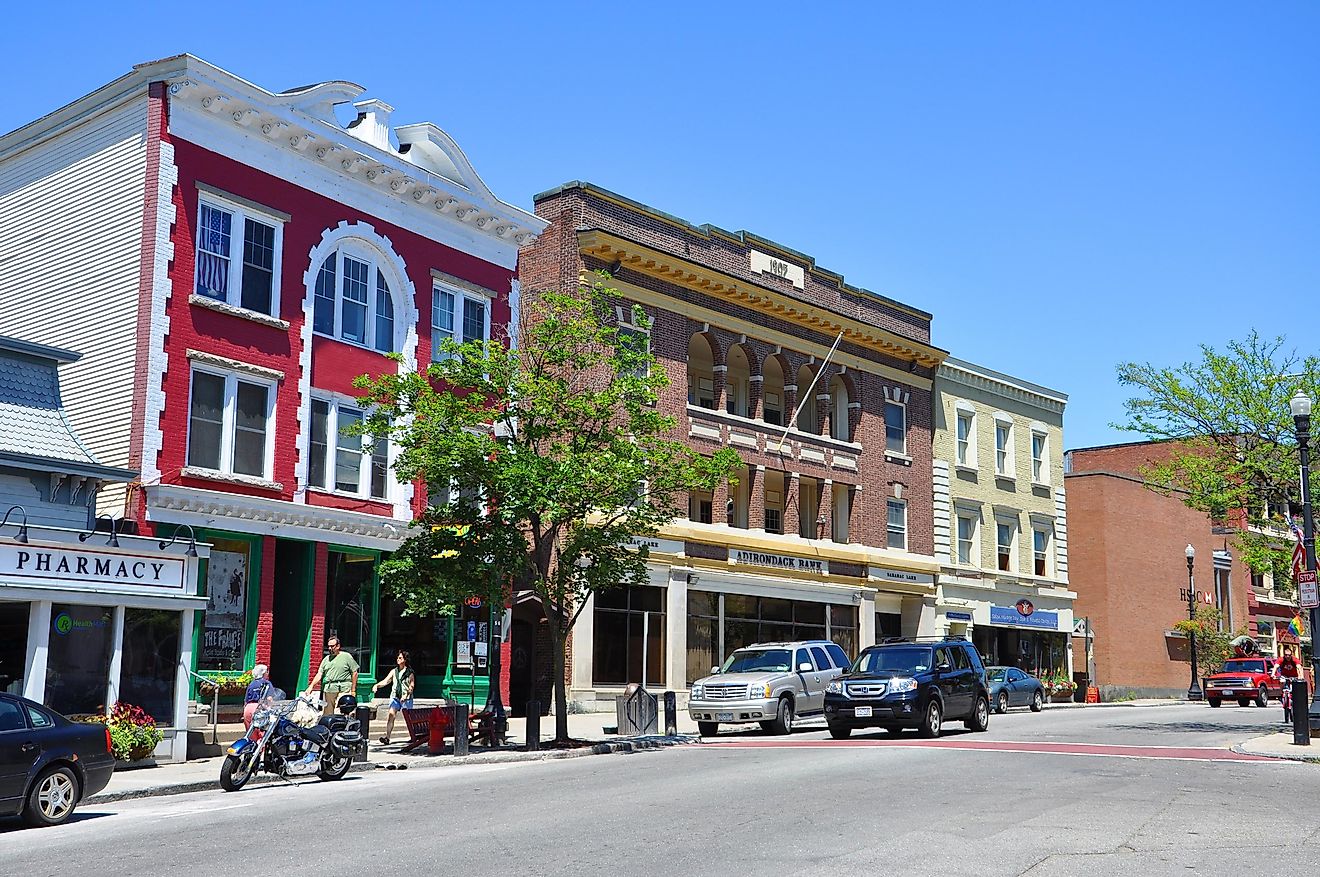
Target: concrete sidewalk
590,728
1280,745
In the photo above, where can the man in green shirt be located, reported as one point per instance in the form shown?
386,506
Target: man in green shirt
338,674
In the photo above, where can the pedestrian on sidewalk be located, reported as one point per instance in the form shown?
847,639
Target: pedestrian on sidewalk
402,681
258,689
338,674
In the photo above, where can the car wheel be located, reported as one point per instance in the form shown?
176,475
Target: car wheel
1001,703
979,720
1214,701
839,732
933,718
52,799
1037,702
1262,697
783,721
708,729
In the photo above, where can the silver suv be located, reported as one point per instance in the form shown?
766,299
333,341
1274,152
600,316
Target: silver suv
770,683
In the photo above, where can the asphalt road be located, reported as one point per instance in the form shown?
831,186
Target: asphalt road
1146,791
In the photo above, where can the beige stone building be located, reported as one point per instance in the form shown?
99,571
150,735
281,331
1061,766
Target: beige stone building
1001,535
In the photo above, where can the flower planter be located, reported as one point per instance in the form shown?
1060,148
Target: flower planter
1061,697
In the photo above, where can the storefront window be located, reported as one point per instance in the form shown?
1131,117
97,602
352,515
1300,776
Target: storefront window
224,631
150,661
348,603
13,646
703,634
1036,652
78,660
424,637
843,628
630,636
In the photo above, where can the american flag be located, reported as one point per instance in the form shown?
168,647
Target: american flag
1299,551
213,240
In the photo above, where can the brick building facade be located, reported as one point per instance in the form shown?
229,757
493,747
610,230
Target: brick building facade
245,255
829,529
1128,566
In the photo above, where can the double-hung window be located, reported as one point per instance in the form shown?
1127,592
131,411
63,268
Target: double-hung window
967,555
352,300
895,427
461,316
897,525
230,420
341,457
1040,460
1004,446
1040,547
1005,543
238,255
966,438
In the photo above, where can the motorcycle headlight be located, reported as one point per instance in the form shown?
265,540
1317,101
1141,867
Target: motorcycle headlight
260,717
834,688
698,692
902,684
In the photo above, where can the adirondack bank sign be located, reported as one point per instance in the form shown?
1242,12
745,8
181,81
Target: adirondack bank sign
52,567
780,561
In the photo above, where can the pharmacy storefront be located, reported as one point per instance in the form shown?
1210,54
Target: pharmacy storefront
86,623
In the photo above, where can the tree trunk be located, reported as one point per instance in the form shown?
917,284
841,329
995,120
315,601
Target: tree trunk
561,686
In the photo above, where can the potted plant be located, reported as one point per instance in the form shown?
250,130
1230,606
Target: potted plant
133,732
230,686
1059,687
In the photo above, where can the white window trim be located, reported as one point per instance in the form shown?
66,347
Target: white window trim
974,551
1048,530
227,426
460,294
1009,470
902,502
902,406
237,230
961,410
1044,479
361,251
1015,528
335,401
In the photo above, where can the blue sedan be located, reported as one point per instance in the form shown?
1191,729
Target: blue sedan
1009,686
48,763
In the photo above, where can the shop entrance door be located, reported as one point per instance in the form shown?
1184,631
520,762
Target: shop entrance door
13,645
292,615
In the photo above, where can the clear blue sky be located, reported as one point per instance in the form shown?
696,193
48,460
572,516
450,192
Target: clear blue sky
1064,186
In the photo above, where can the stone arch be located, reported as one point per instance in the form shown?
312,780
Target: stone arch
774,377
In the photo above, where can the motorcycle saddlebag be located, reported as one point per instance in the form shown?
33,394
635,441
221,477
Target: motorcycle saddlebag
346,742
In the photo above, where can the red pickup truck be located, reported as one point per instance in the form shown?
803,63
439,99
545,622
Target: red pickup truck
1244,680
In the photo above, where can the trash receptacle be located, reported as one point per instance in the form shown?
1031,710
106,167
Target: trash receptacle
637,711
363,716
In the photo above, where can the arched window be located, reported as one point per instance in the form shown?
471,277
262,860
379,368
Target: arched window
701,372
839,409
738,384
807,419
352,300
772,392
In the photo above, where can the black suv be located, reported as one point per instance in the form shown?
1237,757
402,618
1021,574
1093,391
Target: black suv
908,683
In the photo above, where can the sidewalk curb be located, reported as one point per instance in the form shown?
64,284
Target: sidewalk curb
1241,749
609,747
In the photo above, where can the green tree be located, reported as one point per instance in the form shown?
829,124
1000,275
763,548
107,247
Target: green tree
1212,643
557,459
1232,443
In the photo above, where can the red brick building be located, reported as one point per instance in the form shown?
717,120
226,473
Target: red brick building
1128,566
828,532
231,258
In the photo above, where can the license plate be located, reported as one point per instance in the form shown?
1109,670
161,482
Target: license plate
724,717
1226,691
863,712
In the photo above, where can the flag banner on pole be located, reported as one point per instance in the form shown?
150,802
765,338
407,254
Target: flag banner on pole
1296,625
1299,551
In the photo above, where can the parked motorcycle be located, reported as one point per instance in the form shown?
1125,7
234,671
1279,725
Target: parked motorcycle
290,738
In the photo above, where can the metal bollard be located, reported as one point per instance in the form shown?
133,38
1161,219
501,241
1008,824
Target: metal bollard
364,728
460,729
1300,718
671,714
533,725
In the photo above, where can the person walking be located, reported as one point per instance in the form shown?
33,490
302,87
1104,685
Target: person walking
257,689
402,681
338,674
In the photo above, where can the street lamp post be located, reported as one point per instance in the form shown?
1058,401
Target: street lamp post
1301,412
1194,690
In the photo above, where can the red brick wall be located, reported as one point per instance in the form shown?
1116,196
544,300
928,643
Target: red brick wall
555,262
319,584
266,611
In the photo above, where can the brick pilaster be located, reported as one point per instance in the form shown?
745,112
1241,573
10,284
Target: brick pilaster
756,497
266,609
320,580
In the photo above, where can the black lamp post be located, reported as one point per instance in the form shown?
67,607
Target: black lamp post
1301,412
1194,690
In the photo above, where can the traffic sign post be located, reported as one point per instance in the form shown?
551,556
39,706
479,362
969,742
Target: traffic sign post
1308,596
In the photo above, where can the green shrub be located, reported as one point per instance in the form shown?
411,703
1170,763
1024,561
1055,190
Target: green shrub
133,732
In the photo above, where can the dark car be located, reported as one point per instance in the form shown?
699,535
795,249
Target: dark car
48,763
910,684
1010,686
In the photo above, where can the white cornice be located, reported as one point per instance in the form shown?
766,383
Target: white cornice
1000,386
272,517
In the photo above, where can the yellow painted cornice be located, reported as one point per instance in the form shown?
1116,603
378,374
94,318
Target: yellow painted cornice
682,272
772,543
